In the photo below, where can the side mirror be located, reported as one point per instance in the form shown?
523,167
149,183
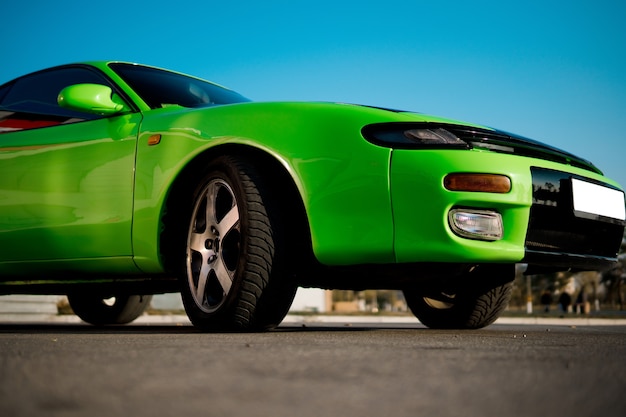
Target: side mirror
90,98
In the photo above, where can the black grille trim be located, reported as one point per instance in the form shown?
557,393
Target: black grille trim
557,236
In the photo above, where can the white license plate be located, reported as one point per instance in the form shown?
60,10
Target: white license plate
595,199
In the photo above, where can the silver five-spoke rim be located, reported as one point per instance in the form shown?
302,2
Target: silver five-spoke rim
213,245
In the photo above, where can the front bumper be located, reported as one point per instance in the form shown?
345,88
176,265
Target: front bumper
534,233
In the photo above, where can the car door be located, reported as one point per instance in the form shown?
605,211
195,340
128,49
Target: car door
66,178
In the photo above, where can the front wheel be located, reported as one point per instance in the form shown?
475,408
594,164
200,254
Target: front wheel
479,299
235,276
103,310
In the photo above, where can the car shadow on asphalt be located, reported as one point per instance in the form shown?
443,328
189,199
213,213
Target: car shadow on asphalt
177,328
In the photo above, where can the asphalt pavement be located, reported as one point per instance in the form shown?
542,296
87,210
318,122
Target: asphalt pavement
304,319
334,366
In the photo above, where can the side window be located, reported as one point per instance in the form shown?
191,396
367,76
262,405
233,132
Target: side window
31,102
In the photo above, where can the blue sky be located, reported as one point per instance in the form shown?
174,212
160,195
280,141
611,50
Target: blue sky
552,71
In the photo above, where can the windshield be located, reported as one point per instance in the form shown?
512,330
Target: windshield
160,88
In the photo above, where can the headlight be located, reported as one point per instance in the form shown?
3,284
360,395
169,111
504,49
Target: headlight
412,136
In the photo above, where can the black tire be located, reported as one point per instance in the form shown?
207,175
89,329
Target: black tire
479,300
235,276
102,310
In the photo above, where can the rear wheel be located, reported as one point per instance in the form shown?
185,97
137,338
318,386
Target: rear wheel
235,276
102,310
477,301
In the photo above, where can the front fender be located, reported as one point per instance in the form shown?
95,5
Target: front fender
342,179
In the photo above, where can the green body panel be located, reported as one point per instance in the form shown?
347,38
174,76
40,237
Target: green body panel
343,179
421,204
89,196
68,194
363,201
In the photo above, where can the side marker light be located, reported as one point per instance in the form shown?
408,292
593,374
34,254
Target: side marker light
154,140
486,183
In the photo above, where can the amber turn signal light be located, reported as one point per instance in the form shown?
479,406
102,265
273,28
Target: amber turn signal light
485,183
154,140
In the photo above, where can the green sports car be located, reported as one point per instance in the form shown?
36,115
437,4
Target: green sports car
119,181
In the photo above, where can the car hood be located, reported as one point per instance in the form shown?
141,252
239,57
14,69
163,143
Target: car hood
357,115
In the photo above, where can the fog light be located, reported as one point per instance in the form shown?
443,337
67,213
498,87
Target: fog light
476,224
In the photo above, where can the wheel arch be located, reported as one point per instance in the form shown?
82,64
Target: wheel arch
177,205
